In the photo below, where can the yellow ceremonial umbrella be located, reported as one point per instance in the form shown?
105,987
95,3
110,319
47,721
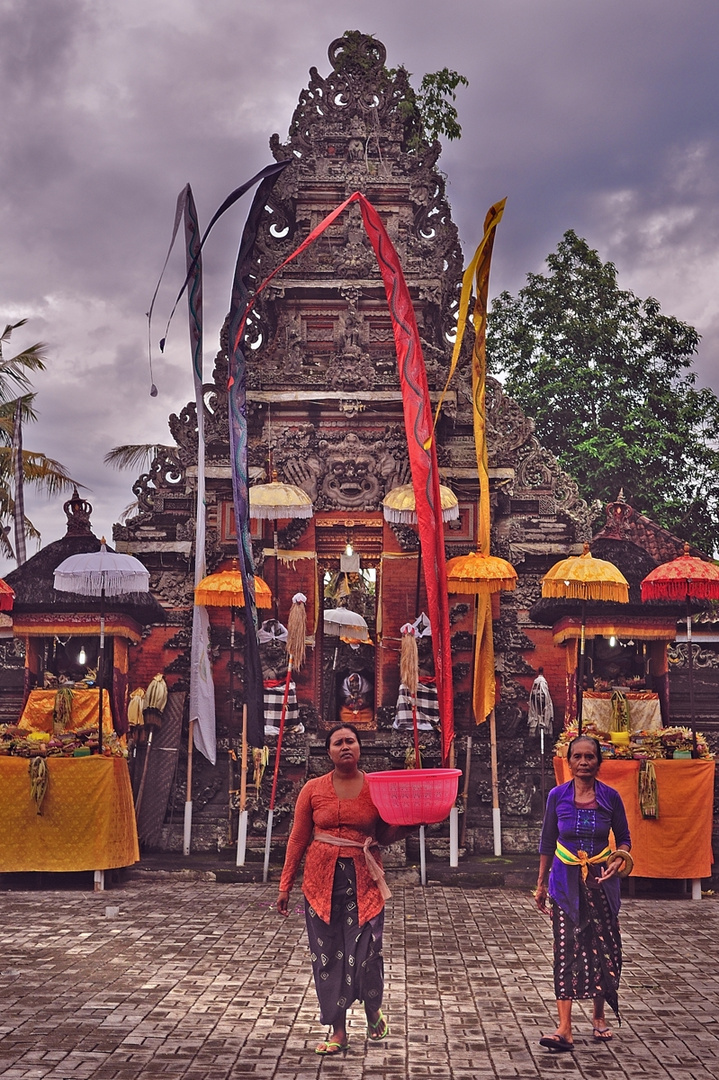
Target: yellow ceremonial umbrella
274,501
582,577
399,505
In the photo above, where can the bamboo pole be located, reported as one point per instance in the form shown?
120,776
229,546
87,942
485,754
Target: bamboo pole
242,824
187,829
496,813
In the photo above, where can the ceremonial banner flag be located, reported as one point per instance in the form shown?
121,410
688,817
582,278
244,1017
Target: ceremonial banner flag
237,405
202,688
420,440
477,273
202,695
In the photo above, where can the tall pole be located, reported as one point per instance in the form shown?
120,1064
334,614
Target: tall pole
496,812
690,658
101,664
230,767
242,823
187,830
580,670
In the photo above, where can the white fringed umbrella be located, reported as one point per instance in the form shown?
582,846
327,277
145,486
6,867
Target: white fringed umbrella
101,573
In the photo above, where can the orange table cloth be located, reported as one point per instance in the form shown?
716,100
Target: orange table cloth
37,714
678,844
87,820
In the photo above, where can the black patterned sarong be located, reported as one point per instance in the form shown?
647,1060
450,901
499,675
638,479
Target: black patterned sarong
347,959
588,957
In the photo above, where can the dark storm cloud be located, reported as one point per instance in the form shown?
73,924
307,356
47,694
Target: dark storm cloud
596,115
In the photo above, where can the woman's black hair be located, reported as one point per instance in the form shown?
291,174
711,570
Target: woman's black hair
341,727
586,738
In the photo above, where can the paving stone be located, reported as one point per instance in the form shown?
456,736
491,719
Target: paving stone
203,981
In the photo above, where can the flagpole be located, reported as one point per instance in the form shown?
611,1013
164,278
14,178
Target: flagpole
187,833
242,825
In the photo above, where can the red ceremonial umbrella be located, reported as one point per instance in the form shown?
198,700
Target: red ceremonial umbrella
684,578
7,596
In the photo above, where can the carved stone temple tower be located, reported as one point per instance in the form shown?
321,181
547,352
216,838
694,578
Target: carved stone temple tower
325,414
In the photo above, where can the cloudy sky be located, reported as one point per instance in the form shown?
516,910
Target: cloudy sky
595,115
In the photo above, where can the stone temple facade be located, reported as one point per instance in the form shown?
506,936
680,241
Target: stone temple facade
325,414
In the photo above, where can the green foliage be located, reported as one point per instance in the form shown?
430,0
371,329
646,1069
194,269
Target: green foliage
608,380
434,101
45,474
429,112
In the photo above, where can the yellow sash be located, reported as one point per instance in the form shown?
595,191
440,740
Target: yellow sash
581,858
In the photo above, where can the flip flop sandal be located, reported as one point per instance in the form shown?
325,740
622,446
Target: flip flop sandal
602,1034
557,1043
380,1028
330,1048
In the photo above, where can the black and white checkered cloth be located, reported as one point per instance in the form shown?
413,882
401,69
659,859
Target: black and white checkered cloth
427,708
274,696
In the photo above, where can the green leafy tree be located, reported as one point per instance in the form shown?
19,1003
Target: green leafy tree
429,112
40,471
608,380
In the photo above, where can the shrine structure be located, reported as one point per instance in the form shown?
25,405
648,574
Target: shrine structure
325,414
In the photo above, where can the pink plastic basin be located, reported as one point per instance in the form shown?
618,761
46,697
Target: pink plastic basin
414,796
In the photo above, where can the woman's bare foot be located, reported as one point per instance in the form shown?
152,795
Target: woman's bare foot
601,1030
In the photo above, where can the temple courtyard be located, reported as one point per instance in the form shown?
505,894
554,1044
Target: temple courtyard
167,976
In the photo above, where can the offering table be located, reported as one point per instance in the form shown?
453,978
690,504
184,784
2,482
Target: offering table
87,819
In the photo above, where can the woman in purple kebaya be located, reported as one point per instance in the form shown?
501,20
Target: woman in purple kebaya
580,874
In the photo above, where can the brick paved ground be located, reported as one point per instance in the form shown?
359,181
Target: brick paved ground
197,980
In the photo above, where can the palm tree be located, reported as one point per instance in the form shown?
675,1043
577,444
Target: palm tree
45,474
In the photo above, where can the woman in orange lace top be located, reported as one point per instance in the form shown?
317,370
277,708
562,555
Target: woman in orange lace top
338,826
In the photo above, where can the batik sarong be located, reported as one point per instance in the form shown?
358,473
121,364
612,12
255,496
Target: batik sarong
587,957
346,958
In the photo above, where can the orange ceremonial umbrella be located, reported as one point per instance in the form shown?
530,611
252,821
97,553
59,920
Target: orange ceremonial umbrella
684,578
477,573
225,590
582,577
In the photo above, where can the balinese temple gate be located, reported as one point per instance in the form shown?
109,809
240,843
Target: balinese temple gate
325,414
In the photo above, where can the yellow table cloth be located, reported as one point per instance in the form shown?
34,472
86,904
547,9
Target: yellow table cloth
87,820
645,712
677,844
37,714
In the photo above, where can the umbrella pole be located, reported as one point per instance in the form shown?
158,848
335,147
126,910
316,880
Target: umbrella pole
690,658
541,759
580,671
468,753
271,812
101,667
419,579
242,824
230,767
465,790
496,812
277,572
187,830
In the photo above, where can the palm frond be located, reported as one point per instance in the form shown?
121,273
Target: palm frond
137,455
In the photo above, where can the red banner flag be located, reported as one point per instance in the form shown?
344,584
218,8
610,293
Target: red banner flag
419,429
